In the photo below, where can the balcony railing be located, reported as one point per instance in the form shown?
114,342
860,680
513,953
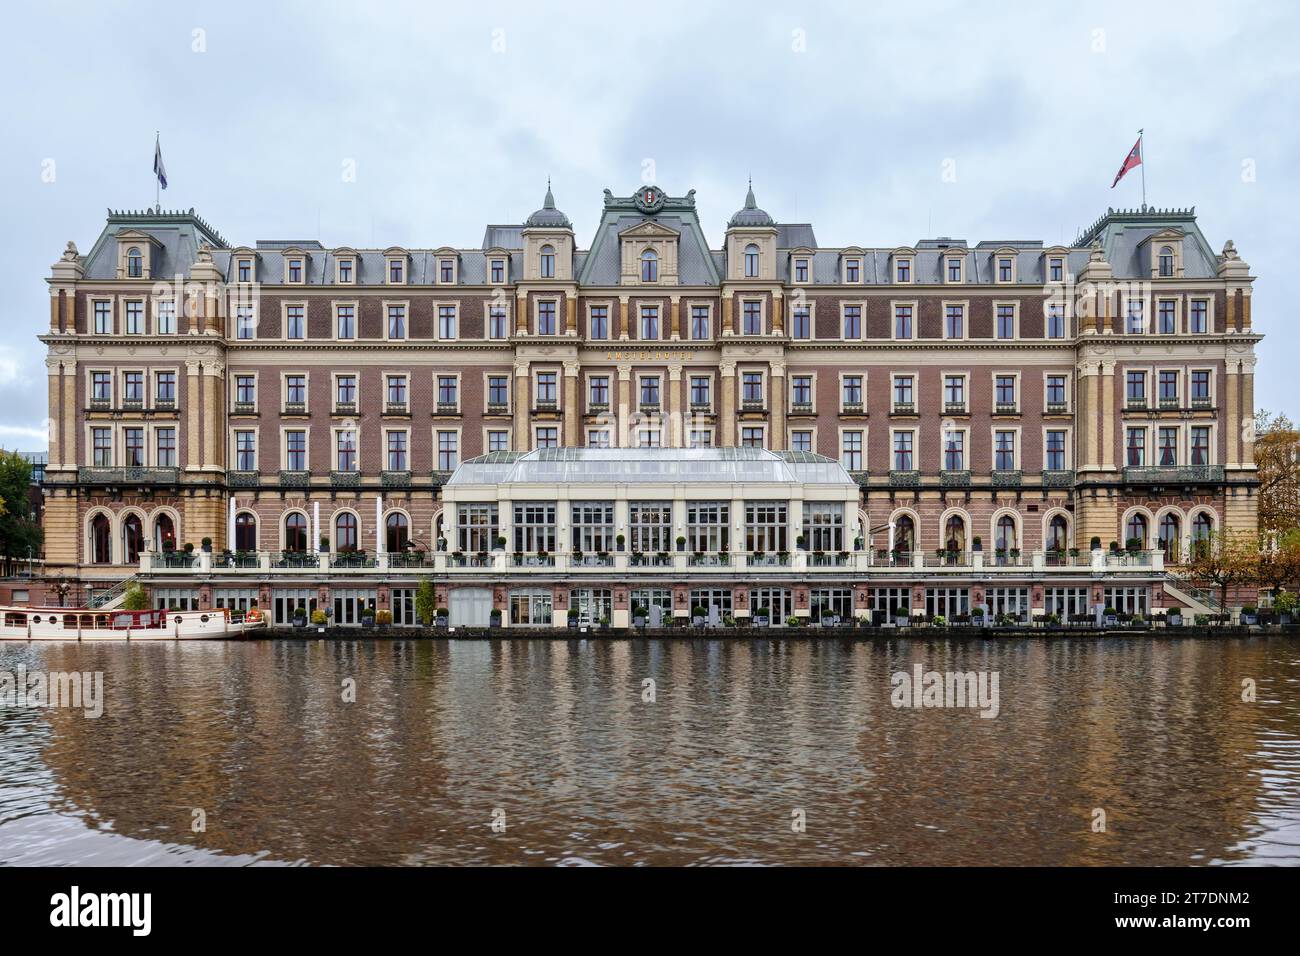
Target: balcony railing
1135,404
164,405
598,408
1006,479
242,479
905,479
470,559
131,474
828,559
521,560
1056,408
701,407
1170,404
244,408
402,408
545,405
236,560
1058,479
700,560
174,559
1006,408
297,559
641,559
649,408
904,408
294,479
954,408
585,560
954,478
753,405
100,404
395,479
345,479
295,408
345,408
498,408
801,408
1201,404
444,408
1184,474
852,408
763,559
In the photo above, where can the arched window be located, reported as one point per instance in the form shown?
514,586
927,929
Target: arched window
904,534
246,531
1202,533
1166,261
649,266
134,263
132,538
295,531
101,539
1135,532
1171,533
548,262
164,533
345,532
397,532
751,261
954,533
1058,533
1005,538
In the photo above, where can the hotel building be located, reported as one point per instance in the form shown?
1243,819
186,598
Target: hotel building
537,426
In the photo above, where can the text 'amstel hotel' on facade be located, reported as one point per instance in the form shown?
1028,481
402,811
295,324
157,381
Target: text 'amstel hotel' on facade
769,426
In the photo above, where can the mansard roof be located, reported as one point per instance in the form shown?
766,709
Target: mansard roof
696,264
177,235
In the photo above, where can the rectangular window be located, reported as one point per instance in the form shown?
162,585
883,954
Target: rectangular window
903,393
245,322
165,442
649,322
446,271
498,439
395,271
101,386
801,391
853,270
598,438
295,270
345,271
765,525
650,525
476,527
165,386
347,322
753,318
246,451
1168,450
1136,388
295,322
1056,270
851,392
954,322
448,392
396,391
448,450
1004,392
103,318
498,271
1200,445
1004,451
397,451
650,391
852,322
446,322
902,321
954,393
345,392
1056,321
903,451
954,270
599,322
1004,270
1137,447
903,270
751,388
498,391
954,450
345,445
546,388
823,525
548,437
707,525
1054,454
1056,393
598,391
1165,317
546,317
245,389
133,442
701,438
166,320
851,450
295,450
135,318
245,271
295,390
133,387
1136,321
534,528
101,444
700,322
1201,385
801,270
1200,318
397,321
1168,385
700,388
592,526
1006,321
497,322
801,322
751,436
801,440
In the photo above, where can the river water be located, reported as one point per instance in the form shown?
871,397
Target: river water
759,752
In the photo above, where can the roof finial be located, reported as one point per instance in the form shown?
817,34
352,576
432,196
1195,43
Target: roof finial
750,201
549,202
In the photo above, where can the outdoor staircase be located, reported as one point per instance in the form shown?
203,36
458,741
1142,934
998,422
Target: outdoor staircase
113,597
1198,600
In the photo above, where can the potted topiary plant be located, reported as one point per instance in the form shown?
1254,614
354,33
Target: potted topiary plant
499,543
300,616
324,544
619,541
977,616
977,543
761,617
698,615
440,617
639,615
801,543
189,548
1249,615
681,542
318,618
384,618
604,622
368,617
573,618
1174,617
1110,617
206,545
494,617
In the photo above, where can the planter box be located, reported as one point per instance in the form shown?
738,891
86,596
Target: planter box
638,622
1249,619
697,621
760,622
439,622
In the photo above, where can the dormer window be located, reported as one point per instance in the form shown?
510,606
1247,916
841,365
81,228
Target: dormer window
134,263
447,271
396,272
347,270
1056,269
294,271
853,270
1006,271
1166,262
649,266
548,262
498,271
801,270
903,271
751,261
244,270
954,269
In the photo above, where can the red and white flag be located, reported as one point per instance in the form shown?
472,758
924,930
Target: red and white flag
1134,158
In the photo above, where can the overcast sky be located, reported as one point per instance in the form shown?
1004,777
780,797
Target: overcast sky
846,116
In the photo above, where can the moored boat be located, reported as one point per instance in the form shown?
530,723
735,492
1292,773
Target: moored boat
86,624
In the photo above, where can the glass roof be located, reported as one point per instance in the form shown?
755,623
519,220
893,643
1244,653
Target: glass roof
551,466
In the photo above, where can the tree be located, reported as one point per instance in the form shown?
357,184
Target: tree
20,535
1226,561
426,601
1277,454
1279,561
136,599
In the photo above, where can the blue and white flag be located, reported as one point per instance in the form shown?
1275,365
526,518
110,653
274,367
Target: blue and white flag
158,168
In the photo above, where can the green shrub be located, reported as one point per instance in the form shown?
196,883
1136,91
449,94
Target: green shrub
136,599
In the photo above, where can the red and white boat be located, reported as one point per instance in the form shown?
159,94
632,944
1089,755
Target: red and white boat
114,624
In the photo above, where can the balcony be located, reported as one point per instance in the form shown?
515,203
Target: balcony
242,479
598,408
701,408
542,560
1202,404
1006,478
164,405
1170,404
1180,475
1057,408
294,479
702,560
395,479
345,408
400,408
905,479
101,404
954,408
1058,479
131,474
851,408
173,560
294,408
1006,408
600,559
955,478
828,559
443,408
132,405
763,559
345,479
753,406
244,408
904,408
297,559
648,408
1132,404
801,408
498,408
641,559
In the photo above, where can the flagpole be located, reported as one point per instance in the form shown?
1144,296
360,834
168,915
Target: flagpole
157,183
1143,156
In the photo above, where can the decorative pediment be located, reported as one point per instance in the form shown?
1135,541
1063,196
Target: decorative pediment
649,230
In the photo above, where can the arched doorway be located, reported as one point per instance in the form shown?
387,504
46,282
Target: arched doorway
245,531
1135,532
101,539
1004,538
397,532
1202,533
164,533
345,532
954,534
1058,533
1170,535
132,538
904,534
295,531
